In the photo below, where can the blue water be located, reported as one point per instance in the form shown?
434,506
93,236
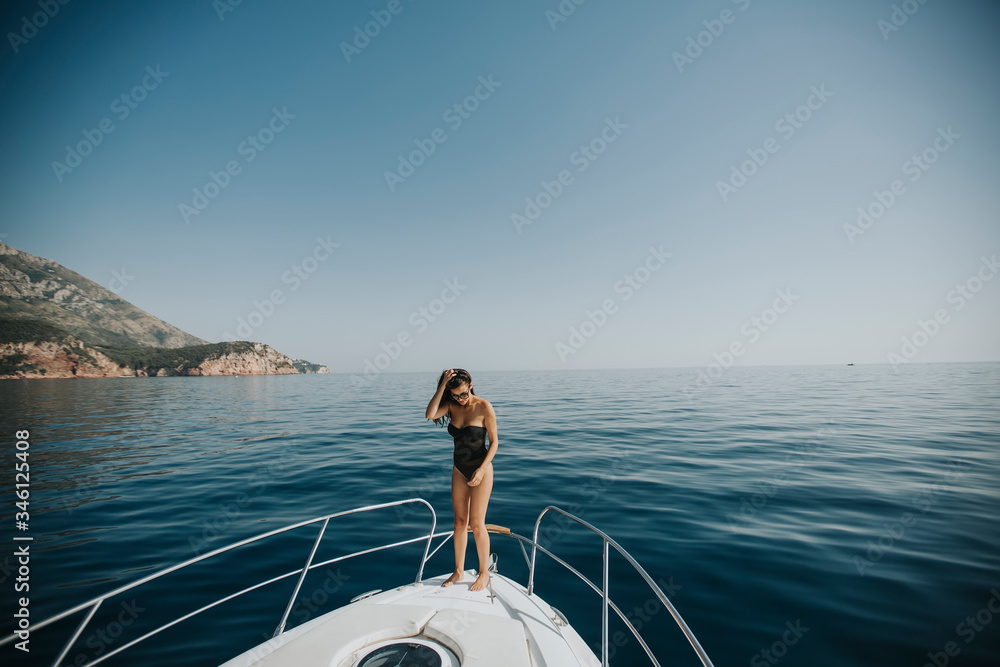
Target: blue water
855,505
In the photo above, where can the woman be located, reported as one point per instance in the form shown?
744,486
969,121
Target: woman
472,473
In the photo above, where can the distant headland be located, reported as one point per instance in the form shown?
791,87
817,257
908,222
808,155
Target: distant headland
55,323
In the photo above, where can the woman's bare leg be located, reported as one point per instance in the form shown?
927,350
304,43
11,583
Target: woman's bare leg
477,520
460,495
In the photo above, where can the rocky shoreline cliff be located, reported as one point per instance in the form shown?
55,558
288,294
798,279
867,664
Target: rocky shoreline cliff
69,358
55,323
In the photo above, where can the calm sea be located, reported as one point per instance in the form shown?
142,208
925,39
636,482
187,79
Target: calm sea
796,515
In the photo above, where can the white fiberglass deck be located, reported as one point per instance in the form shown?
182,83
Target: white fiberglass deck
505,629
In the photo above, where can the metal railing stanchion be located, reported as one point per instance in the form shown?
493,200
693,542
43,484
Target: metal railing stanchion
298,584
604,608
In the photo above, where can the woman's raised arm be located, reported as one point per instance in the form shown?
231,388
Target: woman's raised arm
434,409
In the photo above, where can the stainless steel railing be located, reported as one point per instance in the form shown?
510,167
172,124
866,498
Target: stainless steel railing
604,588
92,605
95,603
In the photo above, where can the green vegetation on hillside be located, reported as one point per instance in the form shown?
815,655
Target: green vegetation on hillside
133,357
29,331
152,358
303,366
13,363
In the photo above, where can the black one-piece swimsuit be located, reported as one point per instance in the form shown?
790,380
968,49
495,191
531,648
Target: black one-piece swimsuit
470,448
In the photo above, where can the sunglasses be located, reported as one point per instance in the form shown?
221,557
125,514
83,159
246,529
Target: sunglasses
458,397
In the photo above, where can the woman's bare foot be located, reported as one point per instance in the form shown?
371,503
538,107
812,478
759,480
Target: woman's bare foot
455,576
480,582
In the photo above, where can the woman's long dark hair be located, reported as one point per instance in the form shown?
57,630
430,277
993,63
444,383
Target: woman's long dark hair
460,377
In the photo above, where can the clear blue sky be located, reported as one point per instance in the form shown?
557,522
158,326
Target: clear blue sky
610,77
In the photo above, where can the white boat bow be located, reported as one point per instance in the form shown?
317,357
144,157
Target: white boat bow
418,624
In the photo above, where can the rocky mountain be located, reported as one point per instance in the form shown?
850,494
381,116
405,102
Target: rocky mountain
56,323
39,289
